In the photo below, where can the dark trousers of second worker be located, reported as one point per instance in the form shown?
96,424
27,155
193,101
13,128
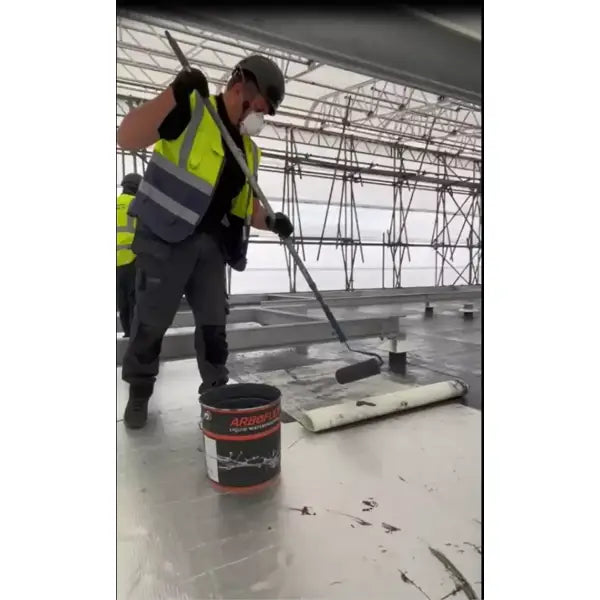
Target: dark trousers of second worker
165,272
126,295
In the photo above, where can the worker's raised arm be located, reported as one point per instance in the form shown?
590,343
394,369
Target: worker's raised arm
278,224
141,127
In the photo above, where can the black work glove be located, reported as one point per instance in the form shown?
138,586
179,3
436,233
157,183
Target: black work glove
280,225
188,81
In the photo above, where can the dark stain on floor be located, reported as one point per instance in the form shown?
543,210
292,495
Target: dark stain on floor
408,580
305,510
456,575
370,504
355,519
390,528
455,591
477,548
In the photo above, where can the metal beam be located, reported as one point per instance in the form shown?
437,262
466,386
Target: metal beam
266,308
180,344
263,316
360,300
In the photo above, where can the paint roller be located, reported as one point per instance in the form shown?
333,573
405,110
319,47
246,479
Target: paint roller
354,372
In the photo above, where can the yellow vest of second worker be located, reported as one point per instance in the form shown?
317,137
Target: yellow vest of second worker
183,174
125,231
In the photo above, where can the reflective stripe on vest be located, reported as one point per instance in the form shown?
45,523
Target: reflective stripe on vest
129,228
190,132
182,175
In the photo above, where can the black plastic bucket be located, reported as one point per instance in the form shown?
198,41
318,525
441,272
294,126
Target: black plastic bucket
241,424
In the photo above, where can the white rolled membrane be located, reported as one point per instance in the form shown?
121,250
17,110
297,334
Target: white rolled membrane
345,413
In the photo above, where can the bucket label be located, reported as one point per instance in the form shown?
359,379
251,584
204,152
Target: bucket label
242,449
212,462
255,422
241,424
243,464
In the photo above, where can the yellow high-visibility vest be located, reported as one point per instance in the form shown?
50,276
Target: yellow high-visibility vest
182,175
125,230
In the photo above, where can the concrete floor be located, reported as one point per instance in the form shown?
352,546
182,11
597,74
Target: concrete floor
179,539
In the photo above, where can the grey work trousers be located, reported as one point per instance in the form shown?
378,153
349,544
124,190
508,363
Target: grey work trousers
165,272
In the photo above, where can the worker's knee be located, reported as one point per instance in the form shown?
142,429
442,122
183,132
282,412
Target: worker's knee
215,344
146,340
140,363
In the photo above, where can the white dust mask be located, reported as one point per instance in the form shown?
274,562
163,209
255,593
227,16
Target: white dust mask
252,124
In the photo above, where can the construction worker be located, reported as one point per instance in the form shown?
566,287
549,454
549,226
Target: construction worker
125,256
194,209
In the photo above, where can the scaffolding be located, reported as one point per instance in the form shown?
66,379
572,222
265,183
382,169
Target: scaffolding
290,206
350,130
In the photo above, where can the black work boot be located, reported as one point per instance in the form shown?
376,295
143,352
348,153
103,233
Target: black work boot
136,412
211,385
